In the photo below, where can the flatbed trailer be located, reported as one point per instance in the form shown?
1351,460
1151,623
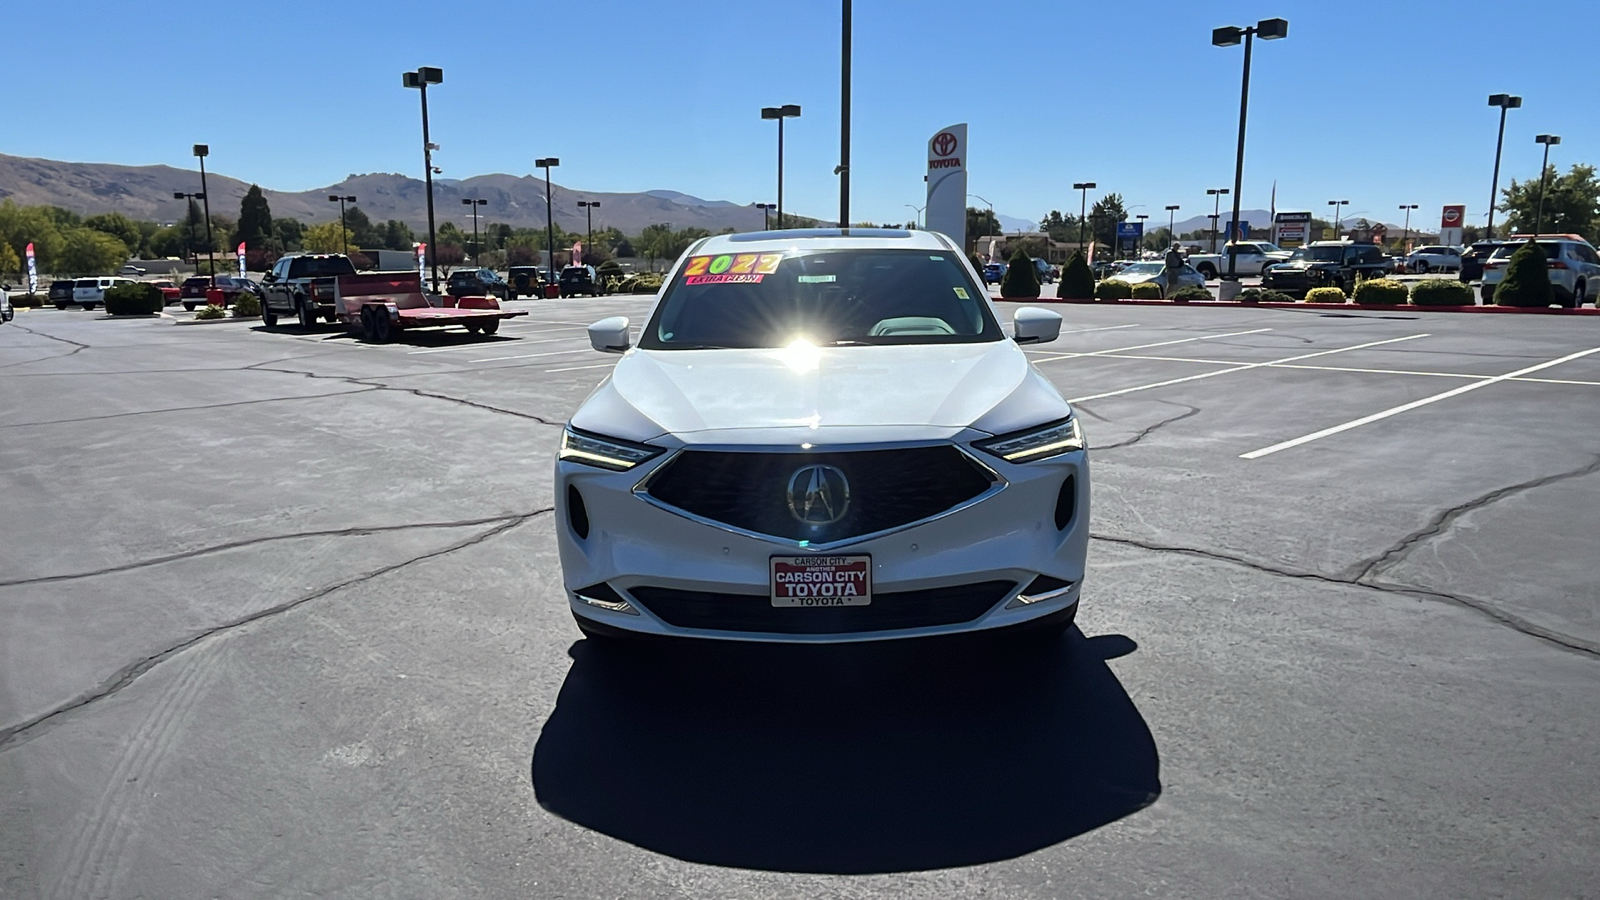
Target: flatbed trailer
381,304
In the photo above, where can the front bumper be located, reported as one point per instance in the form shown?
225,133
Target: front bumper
959,571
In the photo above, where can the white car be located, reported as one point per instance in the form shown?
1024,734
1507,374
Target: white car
823,437
6,312
1433,259
91,292
1573,264
1156,273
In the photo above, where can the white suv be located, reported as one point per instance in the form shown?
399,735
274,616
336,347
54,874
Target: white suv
1574,267
823,436
91,292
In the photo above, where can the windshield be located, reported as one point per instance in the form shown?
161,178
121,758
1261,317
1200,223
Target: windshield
320,266
86,282
824,297
1143,268
1319,254
1552,250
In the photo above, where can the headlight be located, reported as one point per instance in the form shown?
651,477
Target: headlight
1043,442
604,452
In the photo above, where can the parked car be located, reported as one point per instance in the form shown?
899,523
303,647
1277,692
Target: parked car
703,440
1253,259
1156,273
131,270
170,293
6,312
994,272
1433,258
1473,258
1045,271
90,293
59,294
477,283
526,281
1574,267
192,293
302,285
577,280
1326,264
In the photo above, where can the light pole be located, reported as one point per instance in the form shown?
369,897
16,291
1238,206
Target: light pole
918,210
474,202
1405,238
1083,207
180,195
843,169
1548,140
1269,30
420,79
589,206
342,199
548,163
1216,212
1338,215
788,111
1505,102
1141,217
766,220
1172,212
201,151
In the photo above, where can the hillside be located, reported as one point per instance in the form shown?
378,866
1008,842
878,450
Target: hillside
145,192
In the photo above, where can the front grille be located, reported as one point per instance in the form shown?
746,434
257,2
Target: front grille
887,488
887,612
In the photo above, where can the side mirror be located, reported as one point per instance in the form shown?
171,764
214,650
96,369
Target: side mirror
610,335
268,278
1032,325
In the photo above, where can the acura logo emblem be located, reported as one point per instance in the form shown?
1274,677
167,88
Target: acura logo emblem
818,495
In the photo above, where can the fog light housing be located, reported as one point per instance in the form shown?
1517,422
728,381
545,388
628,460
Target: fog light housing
601,596
1040,590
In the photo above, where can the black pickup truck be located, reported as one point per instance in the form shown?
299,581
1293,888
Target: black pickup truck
1337,264
302,285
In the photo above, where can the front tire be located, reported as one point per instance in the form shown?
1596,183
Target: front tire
190,306
1420,267
268,317
1579,295
1207,271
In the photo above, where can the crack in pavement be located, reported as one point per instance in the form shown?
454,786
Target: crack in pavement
352,531
178,409
1192,411
1445,518
13,735
77,347
1510,620
350,379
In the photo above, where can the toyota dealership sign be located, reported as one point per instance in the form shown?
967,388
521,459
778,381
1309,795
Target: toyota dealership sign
947,183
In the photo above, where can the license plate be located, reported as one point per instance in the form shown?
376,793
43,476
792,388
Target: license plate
812,581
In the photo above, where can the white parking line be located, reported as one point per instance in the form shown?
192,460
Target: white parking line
1241,368
1206,337
1407,407
479,346
576,368
535,355
1357,369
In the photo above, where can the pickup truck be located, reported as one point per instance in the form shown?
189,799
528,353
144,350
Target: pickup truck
1254,257
302,285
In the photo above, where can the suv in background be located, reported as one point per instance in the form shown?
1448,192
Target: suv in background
1574,266
192,292
60,293
91,292
1045,271
1337,264
1473,258
477,283
1434,258
525,281
577,280
993,272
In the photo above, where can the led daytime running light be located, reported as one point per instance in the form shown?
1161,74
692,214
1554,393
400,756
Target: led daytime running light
1051,440
604,453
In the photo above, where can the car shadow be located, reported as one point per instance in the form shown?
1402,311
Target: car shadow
846,759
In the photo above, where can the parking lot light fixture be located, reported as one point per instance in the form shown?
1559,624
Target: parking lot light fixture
1405,238
473,202
1216,212
420,79
547,164
1141,217
1548,140
1338,215
1083,207
766,215
589,206
201,151
342,200
787,111
1268,30
918,210
1505,102
1172,212
180,195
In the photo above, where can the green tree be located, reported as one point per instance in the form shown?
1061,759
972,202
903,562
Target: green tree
1021,279
981,223
24,225
1527,281
360,225
1104,217
118,226
86,251
1077,281
1571,203
1158,239
397,236
289,232
255,221
654,243
10,262
328,237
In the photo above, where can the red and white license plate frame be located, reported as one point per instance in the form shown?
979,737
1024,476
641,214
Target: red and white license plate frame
816,581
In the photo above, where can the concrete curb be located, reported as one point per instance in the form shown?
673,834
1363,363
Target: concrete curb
221,321
1203,304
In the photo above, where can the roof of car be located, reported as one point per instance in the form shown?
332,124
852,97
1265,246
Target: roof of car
823,239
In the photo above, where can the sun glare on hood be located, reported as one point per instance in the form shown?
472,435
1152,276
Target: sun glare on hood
800,355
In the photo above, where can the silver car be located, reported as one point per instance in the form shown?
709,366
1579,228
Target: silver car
1156,273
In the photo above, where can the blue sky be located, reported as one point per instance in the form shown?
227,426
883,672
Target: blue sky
1378,103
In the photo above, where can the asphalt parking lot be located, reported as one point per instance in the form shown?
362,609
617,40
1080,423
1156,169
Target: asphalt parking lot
280,614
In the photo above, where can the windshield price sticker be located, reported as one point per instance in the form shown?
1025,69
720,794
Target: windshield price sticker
728,268
813,581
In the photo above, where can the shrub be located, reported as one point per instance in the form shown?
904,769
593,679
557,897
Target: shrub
1147,290
1264,295
1077,281
1325,295
1021,279
134,298
1381,292
246,305
1527,281
1441,292
1199,293
210,312
24,301
1112,290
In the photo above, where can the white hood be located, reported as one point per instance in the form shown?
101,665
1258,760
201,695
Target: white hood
833,394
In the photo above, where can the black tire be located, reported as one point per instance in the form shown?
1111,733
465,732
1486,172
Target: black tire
308,315
89,307
382,328
1420,267
268,317
190,306
473,327
1207,271
61,306
1579,295
490,326
369,331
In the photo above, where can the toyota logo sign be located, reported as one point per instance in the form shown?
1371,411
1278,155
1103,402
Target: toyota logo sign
944,144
